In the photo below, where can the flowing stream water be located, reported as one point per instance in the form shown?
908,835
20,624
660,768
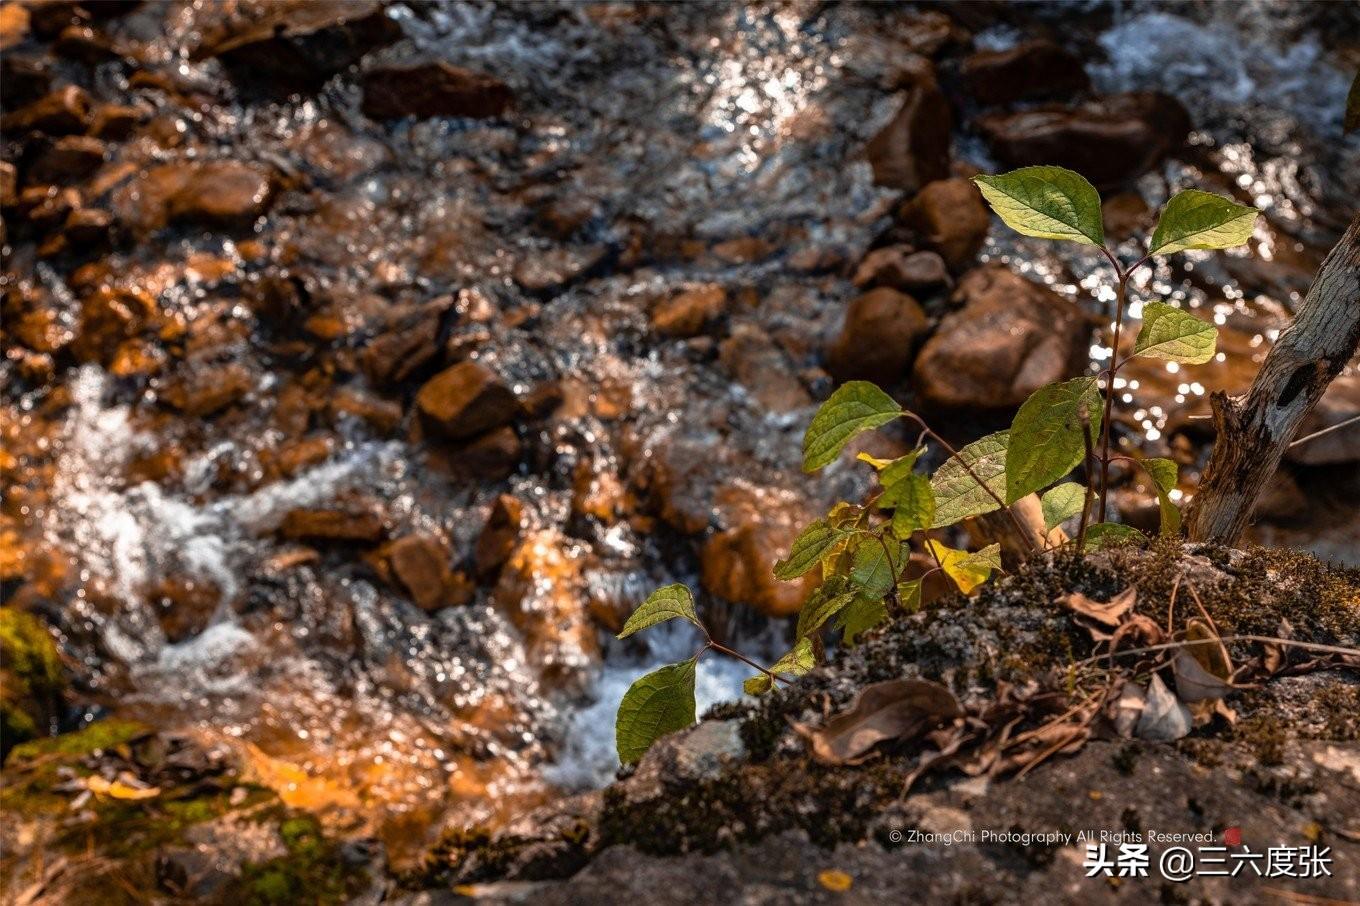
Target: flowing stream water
705,123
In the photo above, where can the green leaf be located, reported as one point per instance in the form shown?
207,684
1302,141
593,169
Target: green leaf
656,704
809,549
796,662
909,594
830,598
860,617
1201,220
896,470
1046,441
1164,476
664,604
1112,534
913,504
1175,336
855,406
1047,202
871,570
967,570
1062,503
957,495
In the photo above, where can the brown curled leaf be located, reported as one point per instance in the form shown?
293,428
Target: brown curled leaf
893,710
1108,614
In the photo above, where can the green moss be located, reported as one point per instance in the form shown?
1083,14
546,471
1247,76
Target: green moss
311,872
102,734
31,680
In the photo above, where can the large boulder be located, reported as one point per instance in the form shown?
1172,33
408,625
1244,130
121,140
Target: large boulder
465,400
1109,140
913,148
1009,339
881,332
431,89
1028,71
951,218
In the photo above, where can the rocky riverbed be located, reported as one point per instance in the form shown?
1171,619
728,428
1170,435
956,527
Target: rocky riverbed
365,363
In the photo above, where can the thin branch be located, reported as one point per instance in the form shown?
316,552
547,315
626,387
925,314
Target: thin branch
1328,430
1185,643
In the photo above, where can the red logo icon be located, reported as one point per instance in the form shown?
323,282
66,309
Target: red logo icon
1232,836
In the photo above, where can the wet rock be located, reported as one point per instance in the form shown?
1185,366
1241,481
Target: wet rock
489,457
70,158
743,250
87,226
555,269
9,185
432,89
384,416
759,365
1340,403
107,318
421,564
1009,339
62,112
1124,214
221,193
204,390
114,122
408,343
85,45
14,20
26,78
500,534
737,562
951,218
1028,71
686,313
928,32
184,607
913,149
542,589
564,216
881,332
1109,140
298,44
350,524
465,400
899,267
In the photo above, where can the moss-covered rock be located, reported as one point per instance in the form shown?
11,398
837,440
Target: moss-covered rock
31,680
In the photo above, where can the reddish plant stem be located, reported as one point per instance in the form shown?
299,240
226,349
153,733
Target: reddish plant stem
1120,299
745,660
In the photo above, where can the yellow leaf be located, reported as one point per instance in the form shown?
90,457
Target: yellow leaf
967,570
120,790
835,881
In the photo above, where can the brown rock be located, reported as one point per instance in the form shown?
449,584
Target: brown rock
114,122
1124,214
9,185
1109,140
87,226
1009,339
85,45
737,563
490,457
185,607
433,89
62,112
898,267
685,314
407,345
951,218
26,78
880,335
205,390
543,590
557,268
13,25
298,44
383,415
362,525
913,149
758,364
465,400
421,564
107,318
743,250
223,193
1028,71
927,32
500,534
69,159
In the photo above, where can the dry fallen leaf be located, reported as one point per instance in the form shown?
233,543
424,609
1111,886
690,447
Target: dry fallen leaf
1193,682
1208,649
835,881
1164,718
119,790
1108,614
891,710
